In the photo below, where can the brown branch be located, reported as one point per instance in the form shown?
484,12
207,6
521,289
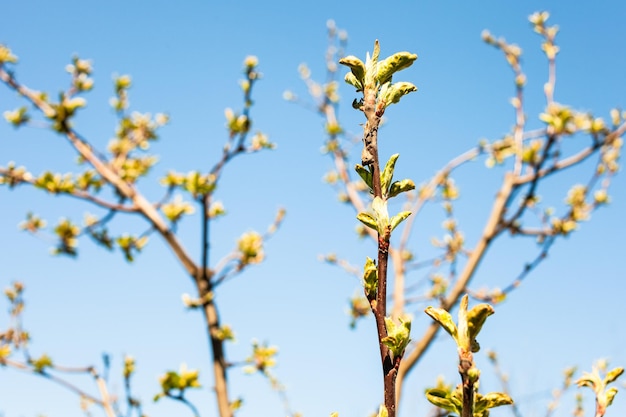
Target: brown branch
184,401
79,194
152,215
204,286
201,275
143,205
534,183
429,189
468,387
104,393
218,357
108,174
105,402
379,305
573,159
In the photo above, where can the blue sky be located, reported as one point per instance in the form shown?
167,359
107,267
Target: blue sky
186,60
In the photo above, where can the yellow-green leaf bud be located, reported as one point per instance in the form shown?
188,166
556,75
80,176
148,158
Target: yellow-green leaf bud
357,67
390,65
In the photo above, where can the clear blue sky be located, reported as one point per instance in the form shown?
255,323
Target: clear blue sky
185,59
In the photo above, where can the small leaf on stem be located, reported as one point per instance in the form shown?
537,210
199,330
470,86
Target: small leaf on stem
367,220
400,187
357,67
442,399
444,318
475,319
397,336
387,175
399,218
370,278
365,175
396,62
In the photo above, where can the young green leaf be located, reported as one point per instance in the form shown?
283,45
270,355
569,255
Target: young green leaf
396,62
613,375
399,218
370,278
365,175
442,399
464,342
351,79
444,318
367,220
491,400
588,380
475,319
387,175
371,64
609,395
395,91
356,67
398,187
397,336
